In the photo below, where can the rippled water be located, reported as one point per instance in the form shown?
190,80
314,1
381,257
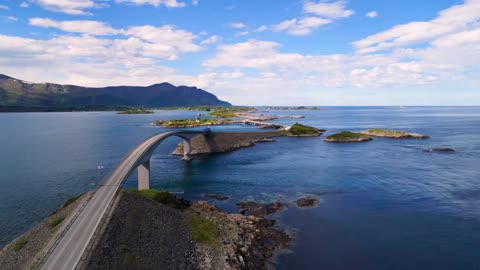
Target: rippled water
385,204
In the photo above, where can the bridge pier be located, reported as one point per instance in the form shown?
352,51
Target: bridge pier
144,175
187,149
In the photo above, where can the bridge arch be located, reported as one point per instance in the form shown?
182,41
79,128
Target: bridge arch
139,157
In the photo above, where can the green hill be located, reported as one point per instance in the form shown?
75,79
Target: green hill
15,93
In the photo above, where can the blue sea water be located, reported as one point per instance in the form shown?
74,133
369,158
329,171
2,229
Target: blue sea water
384,204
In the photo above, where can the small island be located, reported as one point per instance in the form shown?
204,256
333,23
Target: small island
136,111
396,134
346,136
195,122
299,130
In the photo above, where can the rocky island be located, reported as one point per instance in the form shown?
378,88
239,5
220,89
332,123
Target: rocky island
136,111
396,134
195,122
346,136
299,130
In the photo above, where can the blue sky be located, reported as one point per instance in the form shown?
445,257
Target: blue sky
266,52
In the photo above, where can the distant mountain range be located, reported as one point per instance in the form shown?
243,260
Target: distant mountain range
15,93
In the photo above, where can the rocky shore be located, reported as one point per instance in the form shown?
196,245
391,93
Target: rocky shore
25,251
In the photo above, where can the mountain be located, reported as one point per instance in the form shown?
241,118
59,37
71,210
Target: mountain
18,93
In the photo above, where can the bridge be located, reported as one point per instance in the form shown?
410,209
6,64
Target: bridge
67,250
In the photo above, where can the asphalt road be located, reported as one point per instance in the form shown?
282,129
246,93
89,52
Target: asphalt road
71,247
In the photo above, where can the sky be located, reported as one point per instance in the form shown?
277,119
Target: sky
262,52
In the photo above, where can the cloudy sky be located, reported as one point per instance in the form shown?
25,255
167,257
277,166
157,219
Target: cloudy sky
263,52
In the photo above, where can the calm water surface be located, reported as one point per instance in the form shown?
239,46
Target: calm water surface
385,204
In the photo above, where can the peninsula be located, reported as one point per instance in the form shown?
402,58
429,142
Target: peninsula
16,94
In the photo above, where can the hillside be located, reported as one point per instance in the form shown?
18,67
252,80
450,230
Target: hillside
18,93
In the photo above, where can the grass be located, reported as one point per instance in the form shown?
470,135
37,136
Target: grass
136,111
229,112
224,114
386,132
55,222
186,122
71,200
162,197
203,230
20,243
299,129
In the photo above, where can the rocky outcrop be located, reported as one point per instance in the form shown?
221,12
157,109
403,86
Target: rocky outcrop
225,142
442,149
395,134
307,202
244,242
260,209
345,137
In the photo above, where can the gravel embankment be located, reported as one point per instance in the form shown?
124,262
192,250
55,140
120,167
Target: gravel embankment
144,234
25,251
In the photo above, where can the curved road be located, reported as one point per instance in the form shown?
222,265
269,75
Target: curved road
68,250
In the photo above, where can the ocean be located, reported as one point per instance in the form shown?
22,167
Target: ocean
384,204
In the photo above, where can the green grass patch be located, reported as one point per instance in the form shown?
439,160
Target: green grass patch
223,114
136,111
71,200
203,230
186,122
299,129
162,197
386,132
20,243
55,222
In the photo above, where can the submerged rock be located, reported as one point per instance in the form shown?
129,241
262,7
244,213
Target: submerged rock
442,149
216,197
260,209
307,202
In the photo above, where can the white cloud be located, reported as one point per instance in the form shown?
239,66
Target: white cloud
328,10
3,7
371,14
301,27
74,7
243,33
451,20
319,14
211,40
194,2
165,37
86,27
24,5
10,18
262,28
156,3
237,25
